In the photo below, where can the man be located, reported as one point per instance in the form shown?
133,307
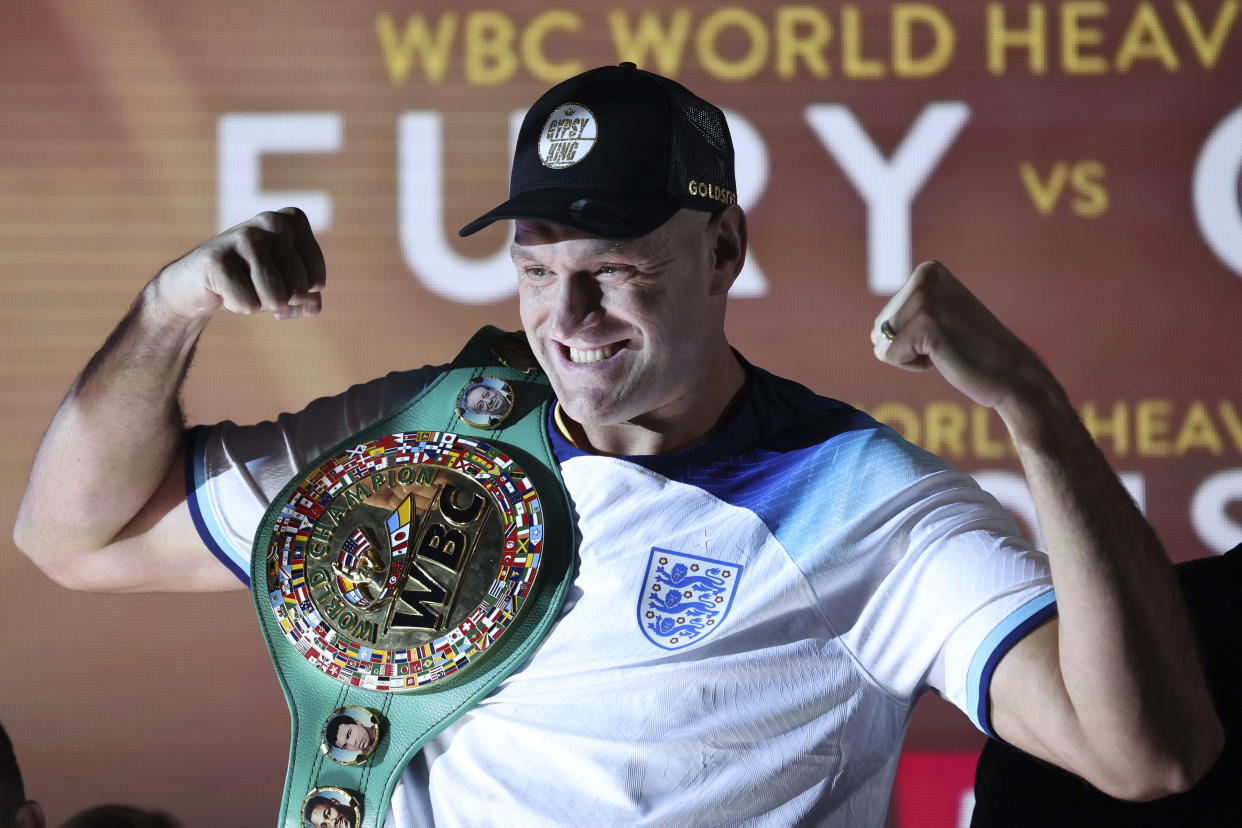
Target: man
16,811
322,812
482,399
767,579
347,733
120,816
484,403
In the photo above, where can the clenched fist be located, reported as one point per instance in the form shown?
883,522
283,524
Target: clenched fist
269,263
935,322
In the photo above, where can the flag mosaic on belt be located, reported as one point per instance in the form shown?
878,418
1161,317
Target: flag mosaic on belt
291,537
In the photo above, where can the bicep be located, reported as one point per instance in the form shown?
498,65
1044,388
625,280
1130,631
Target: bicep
1028,703
238,470
160,549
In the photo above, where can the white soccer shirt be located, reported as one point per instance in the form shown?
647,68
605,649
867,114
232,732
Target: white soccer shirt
752,620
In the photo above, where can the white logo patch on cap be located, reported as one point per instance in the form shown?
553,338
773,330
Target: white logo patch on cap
567,136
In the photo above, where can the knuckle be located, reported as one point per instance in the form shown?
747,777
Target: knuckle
294,213
223,265
272,221
215,258
250,237
928,272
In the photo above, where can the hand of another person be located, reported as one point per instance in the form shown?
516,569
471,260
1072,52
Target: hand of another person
937,323
268,263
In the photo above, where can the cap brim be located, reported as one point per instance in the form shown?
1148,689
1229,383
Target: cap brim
604,214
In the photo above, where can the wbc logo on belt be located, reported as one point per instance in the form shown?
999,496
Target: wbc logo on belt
400,561
684,597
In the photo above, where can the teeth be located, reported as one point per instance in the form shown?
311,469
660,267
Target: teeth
592,356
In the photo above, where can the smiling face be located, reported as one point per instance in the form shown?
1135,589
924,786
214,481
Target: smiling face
631,333
483,399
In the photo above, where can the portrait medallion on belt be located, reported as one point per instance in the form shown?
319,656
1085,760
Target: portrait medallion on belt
485,402
351,735
332,806
398,562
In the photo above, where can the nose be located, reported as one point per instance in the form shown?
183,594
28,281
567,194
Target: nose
577,305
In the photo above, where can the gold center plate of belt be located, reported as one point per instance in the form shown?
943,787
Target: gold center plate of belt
398,562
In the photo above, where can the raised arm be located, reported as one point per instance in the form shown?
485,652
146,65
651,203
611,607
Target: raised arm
1111,689
105,507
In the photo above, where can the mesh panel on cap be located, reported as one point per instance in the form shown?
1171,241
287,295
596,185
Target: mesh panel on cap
702,149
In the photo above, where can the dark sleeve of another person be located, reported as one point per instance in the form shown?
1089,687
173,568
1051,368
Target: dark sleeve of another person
1014,790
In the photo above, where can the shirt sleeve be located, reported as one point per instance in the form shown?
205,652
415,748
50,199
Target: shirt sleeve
955,583
233,472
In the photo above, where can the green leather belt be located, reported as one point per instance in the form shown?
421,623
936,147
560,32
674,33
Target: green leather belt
406,572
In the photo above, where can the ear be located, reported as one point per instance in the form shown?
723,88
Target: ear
728,253
29,815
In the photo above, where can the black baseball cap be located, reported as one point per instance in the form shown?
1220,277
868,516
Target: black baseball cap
615,152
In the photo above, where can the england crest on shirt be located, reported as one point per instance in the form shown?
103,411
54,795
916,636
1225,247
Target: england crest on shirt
684,597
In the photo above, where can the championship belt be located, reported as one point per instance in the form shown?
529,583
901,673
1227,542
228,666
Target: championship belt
405,573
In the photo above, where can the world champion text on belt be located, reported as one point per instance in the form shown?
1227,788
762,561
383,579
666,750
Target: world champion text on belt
398,562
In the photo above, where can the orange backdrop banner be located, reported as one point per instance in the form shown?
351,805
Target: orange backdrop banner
1076,164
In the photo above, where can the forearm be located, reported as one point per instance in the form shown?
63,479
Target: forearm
1125,648
1111,688
114,437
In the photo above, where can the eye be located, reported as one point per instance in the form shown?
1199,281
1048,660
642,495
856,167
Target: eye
537,273
613,271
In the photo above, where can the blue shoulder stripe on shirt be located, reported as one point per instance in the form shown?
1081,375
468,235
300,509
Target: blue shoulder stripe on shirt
195,480
782,441
993,647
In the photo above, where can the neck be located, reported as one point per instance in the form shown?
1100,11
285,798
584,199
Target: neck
673,428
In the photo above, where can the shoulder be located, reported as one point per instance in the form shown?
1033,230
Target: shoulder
265,455
817,436
233,472
371,400
804,462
